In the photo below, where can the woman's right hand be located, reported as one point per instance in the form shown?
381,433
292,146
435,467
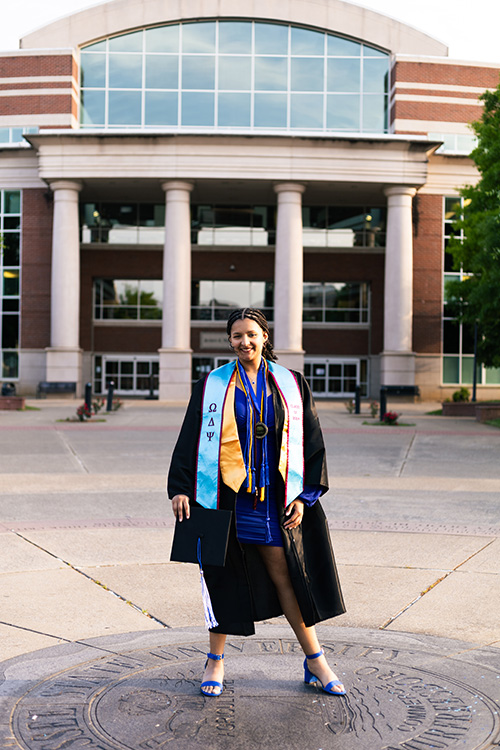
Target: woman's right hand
180,506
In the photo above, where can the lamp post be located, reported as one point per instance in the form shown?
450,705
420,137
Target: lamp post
474,374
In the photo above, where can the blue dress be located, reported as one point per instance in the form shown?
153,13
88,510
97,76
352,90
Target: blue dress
257,522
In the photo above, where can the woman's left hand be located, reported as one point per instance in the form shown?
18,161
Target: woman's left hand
295,511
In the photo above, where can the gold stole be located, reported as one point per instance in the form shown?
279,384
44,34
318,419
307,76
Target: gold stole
232,465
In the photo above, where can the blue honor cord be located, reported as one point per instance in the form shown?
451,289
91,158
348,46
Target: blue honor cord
256,403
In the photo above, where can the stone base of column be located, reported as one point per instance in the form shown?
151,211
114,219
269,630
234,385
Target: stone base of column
291,360
428,377
64,365
397,368
175,375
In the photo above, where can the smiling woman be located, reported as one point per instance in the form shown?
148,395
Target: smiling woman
247,340
262,458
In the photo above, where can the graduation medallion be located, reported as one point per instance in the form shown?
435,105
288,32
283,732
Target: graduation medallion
261,430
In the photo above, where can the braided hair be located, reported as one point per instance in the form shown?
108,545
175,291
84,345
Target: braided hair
258,316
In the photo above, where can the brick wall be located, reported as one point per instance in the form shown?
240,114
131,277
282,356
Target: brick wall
336,343
458,75
427,274
362,267
247,266
29,93
36,264
436,111
438,92
217,265
317,266
115,264
17,106
17,66
127,339
366,267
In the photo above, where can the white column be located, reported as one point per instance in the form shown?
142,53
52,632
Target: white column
175,352
63,358
398,359
288,276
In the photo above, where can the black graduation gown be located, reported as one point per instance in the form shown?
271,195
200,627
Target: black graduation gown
242,591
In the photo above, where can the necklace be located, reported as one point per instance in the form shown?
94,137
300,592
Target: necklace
257,477
257,425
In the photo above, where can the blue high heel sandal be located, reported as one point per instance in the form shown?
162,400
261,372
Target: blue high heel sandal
212,683
309,677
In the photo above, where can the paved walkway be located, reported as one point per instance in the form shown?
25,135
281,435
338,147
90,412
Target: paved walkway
85,533
414,515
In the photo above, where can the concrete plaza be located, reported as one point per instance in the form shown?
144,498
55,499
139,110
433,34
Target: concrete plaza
414,515
85,535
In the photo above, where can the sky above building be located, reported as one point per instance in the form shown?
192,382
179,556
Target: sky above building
469,29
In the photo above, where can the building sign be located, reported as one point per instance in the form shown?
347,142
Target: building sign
213,340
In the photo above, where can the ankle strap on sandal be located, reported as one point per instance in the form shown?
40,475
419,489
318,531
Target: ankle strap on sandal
315,656
215,657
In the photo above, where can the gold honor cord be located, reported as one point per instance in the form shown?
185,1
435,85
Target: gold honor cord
232,465
260,427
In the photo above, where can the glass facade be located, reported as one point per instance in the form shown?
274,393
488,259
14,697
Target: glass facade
228,75
122,299
458,338
343,226
212,300
14,136
10,290
122,223
223,225
455,143
326,302
323,226
233,225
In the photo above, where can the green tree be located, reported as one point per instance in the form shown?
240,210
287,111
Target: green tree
477,296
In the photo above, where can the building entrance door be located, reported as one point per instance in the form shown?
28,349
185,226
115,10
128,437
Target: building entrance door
132,375
203,365
333,377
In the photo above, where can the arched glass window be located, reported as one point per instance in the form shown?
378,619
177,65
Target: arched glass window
234,76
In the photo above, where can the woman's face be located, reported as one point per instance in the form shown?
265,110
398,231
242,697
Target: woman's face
247,339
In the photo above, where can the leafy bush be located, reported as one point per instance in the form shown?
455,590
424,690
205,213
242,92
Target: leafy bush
83,412
116,404
97,405
463,394
350,406
391,417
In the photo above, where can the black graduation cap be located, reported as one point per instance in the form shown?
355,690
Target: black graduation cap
209,526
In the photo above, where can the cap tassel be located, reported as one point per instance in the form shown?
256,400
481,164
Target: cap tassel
269,537
210,620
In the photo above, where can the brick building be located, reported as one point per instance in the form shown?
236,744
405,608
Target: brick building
161,163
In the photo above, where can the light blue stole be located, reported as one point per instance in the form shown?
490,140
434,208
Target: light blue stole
219,448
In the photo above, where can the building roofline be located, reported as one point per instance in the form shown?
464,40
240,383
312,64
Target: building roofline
433,60
418,142
33,52
345,18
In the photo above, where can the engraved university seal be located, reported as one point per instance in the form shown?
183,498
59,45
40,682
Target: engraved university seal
149,699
